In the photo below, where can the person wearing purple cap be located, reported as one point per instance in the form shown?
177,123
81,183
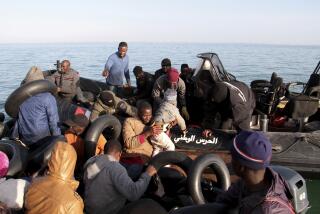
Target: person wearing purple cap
260,189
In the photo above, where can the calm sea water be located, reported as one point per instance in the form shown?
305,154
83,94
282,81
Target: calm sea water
246,62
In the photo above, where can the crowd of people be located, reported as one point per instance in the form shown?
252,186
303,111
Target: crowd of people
119,173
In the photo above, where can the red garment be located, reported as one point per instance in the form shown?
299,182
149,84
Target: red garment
173,75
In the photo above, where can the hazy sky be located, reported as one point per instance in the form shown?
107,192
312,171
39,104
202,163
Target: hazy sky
205,21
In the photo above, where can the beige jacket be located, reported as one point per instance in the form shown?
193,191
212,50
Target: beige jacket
56,192
131,132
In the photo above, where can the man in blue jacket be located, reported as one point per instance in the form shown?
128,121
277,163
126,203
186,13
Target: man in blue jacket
37,118
116,69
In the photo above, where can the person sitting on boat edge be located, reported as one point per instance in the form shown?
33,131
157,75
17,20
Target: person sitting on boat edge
68,82
38,115
116,69
108,103
171,80
260,189
56,192
136,134
166,115
12,190
145,82
235,102
106,171
165,67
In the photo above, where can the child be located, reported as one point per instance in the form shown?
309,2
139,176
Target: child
166,115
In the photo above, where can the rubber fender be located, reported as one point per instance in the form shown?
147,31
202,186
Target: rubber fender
17,154
18,96
194,177
95,130
171,157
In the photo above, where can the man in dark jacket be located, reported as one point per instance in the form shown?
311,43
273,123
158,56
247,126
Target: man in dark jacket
165,66
235,102
145,82
260,189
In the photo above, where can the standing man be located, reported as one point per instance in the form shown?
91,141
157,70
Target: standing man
117,69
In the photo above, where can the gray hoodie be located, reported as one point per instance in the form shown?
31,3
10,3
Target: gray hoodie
108,186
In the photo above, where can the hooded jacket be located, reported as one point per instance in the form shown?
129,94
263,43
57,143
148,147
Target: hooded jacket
56,192
99,108
236,101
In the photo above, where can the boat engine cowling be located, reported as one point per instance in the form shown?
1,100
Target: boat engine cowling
297,186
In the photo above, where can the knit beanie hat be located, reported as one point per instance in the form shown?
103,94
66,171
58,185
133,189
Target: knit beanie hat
107,98
4,164
173,75
252,149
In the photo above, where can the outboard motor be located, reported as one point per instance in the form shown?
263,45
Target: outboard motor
297,186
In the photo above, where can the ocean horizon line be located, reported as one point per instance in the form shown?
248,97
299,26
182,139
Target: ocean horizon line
173,42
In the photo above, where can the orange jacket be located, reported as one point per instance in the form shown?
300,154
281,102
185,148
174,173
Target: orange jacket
78,143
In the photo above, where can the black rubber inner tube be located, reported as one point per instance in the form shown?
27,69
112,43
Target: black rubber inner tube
17,154
95,130
194,177
39,155
171,157
18,96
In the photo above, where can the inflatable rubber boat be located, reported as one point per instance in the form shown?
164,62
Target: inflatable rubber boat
296,145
